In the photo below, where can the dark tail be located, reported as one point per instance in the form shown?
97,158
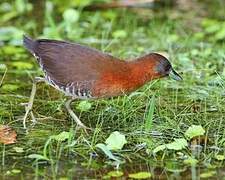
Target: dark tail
29,44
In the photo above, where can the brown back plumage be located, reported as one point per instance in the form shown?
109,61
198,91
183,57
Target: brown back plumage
67,62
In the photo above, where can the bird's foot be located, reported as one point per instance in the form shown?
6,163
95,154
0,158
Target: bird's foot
28,111
29,105
80,125
84,128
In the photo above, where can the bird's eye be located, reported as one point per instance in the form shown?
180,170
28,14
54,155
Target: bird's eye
168,68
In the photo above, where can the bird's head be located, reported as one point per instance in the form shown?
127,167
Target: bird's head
164,67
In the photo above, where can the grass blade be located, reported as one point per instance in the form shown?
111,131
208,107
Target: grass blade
150,112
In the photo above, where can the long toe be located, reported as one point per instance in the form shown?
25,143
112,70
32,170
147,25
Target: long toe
84,128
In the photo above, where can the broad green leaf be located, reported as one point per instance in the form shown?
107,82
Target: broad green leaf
149,117
10,87
18,149
38,157
194,131
140,175
8,16
220,157
16,171
64,178
119,34
107,152
62,136
84,106
159,148
71,15
174,166
11,34
12,50
115,141
3,67
115,174
207,174
220,35
140,49
178,144
191,161
81,3
22,65
20,6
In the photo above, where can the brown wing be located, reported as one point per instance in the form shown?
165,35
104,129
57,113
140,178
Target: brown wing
66,62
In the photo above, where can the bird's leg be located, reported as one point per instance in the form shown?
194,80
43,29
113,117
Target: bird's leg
29,105
74,116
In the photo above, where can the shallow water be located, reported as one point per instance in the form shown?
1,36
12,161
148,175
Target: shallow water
195,49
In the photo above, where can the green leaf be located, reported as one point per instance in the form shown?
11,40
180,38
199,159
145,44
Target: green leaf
10,87
220,35
191,161
22,65
219,157
140,175
207,174
11,34
174,166
194,131
178,144
119,34
115,174
149,117
38,157
107,152
115,141
159,148
3,67
62,136
16,171
81,3
71,15
20,6
84,106
64,178
18,149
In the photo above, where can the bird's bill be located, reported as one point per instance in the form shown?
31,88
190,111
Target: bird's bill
174,75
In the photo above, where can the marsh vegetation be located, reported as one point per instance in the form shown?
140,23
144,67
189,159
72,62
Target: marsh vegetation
166,129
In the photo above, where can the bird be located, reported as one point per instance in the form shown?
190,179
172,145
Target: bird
82,72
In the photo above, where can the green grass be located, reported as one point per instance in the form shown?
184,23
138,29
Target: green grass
154,115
